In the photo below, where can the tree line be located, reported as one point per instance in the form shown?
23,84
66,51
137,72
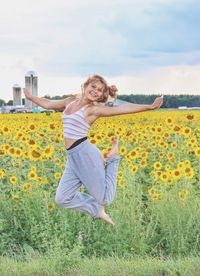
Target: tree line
170,101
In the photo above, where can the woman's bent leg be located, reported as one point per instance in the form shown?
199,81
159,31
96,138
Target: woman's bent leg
100,182
68,195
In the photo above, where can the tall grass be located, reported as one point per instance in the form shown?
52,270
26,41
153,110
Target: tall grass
60,265
167,227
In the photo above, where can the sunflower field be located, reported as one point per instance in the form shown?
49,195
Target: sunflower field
157,207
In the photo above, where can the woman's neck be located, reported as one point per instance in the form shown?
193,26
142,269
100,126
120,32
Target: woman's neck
82,101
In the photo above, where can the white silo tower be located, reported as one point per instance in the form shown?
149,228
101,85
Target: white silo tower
17,95
31,82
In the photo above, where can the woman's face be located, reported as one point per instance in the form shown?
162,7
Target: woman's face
94,91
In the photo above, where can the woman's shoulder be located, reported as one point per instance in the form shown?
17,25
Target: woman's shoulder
70,99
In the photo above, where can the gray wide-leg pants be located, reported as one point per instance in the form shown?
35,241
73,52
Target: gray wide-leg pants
85,165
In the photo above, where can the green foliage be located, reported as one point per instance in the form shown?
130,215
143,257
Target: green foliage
166,227
62,264
57,97
2,102
10,102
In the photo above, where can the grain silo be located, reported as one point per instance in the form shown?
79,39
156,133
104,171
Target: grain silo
17,95
31,82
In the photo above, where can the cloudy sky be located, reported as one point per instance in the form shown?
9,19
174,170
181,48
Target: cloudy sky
149,47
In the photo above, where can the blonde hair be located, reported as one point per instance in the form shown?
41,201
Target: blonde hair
107,90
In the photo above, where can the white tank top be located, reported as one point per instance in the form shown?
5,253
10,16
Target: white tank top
75,125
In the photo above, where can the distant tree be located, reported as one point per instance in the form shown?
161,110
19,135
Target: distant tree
10,102
170,101
47,96
2,102
57,97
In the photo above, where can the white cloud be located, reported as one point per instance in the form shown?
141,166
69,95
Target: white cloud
163,80
65,41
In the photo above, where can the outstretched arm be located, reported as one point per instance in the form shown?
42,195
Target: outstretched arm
103,111
45,103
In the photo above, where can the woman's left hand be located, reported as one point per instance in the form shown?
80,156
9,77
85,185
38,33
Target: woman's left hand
157,103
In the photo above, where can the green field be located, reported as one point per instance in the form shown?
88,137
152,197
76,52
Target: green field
156,209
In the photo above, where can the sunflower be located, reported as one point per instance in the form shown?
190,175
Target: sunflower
57,161
164,176
34,154
169,121
99,137
197,152
183,194
151,190
33,168
186,131
57,175
180,165
6,130
128,158
190,117
162,144
159,129
133,168
15,197
155,196
121,184
161,154
157,165
166,135
51,206
176,128
128,133
93,141
173,145
156,174
42,180
31,142
27,187
32,175
51,126
187,162
143,162
169,181
134,140
2,152
176,174
133,154
154,144
32,127
144,154
167,167
48,151
18,152
188,172
11,151
2,173
170,155
13,180
122,150
172,160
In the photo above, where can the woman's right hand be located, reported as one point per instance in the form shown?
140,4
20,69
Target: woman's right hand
27,93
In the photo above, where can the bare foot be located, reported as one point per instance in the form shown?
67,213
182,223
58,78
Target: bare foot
114,151
105,217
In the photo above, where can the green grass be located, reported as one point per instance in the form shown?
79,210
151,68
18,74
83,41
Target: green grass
165,228
68,265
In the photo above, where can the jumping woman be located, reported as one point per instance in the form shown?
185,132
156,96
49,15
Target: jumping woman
85,163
